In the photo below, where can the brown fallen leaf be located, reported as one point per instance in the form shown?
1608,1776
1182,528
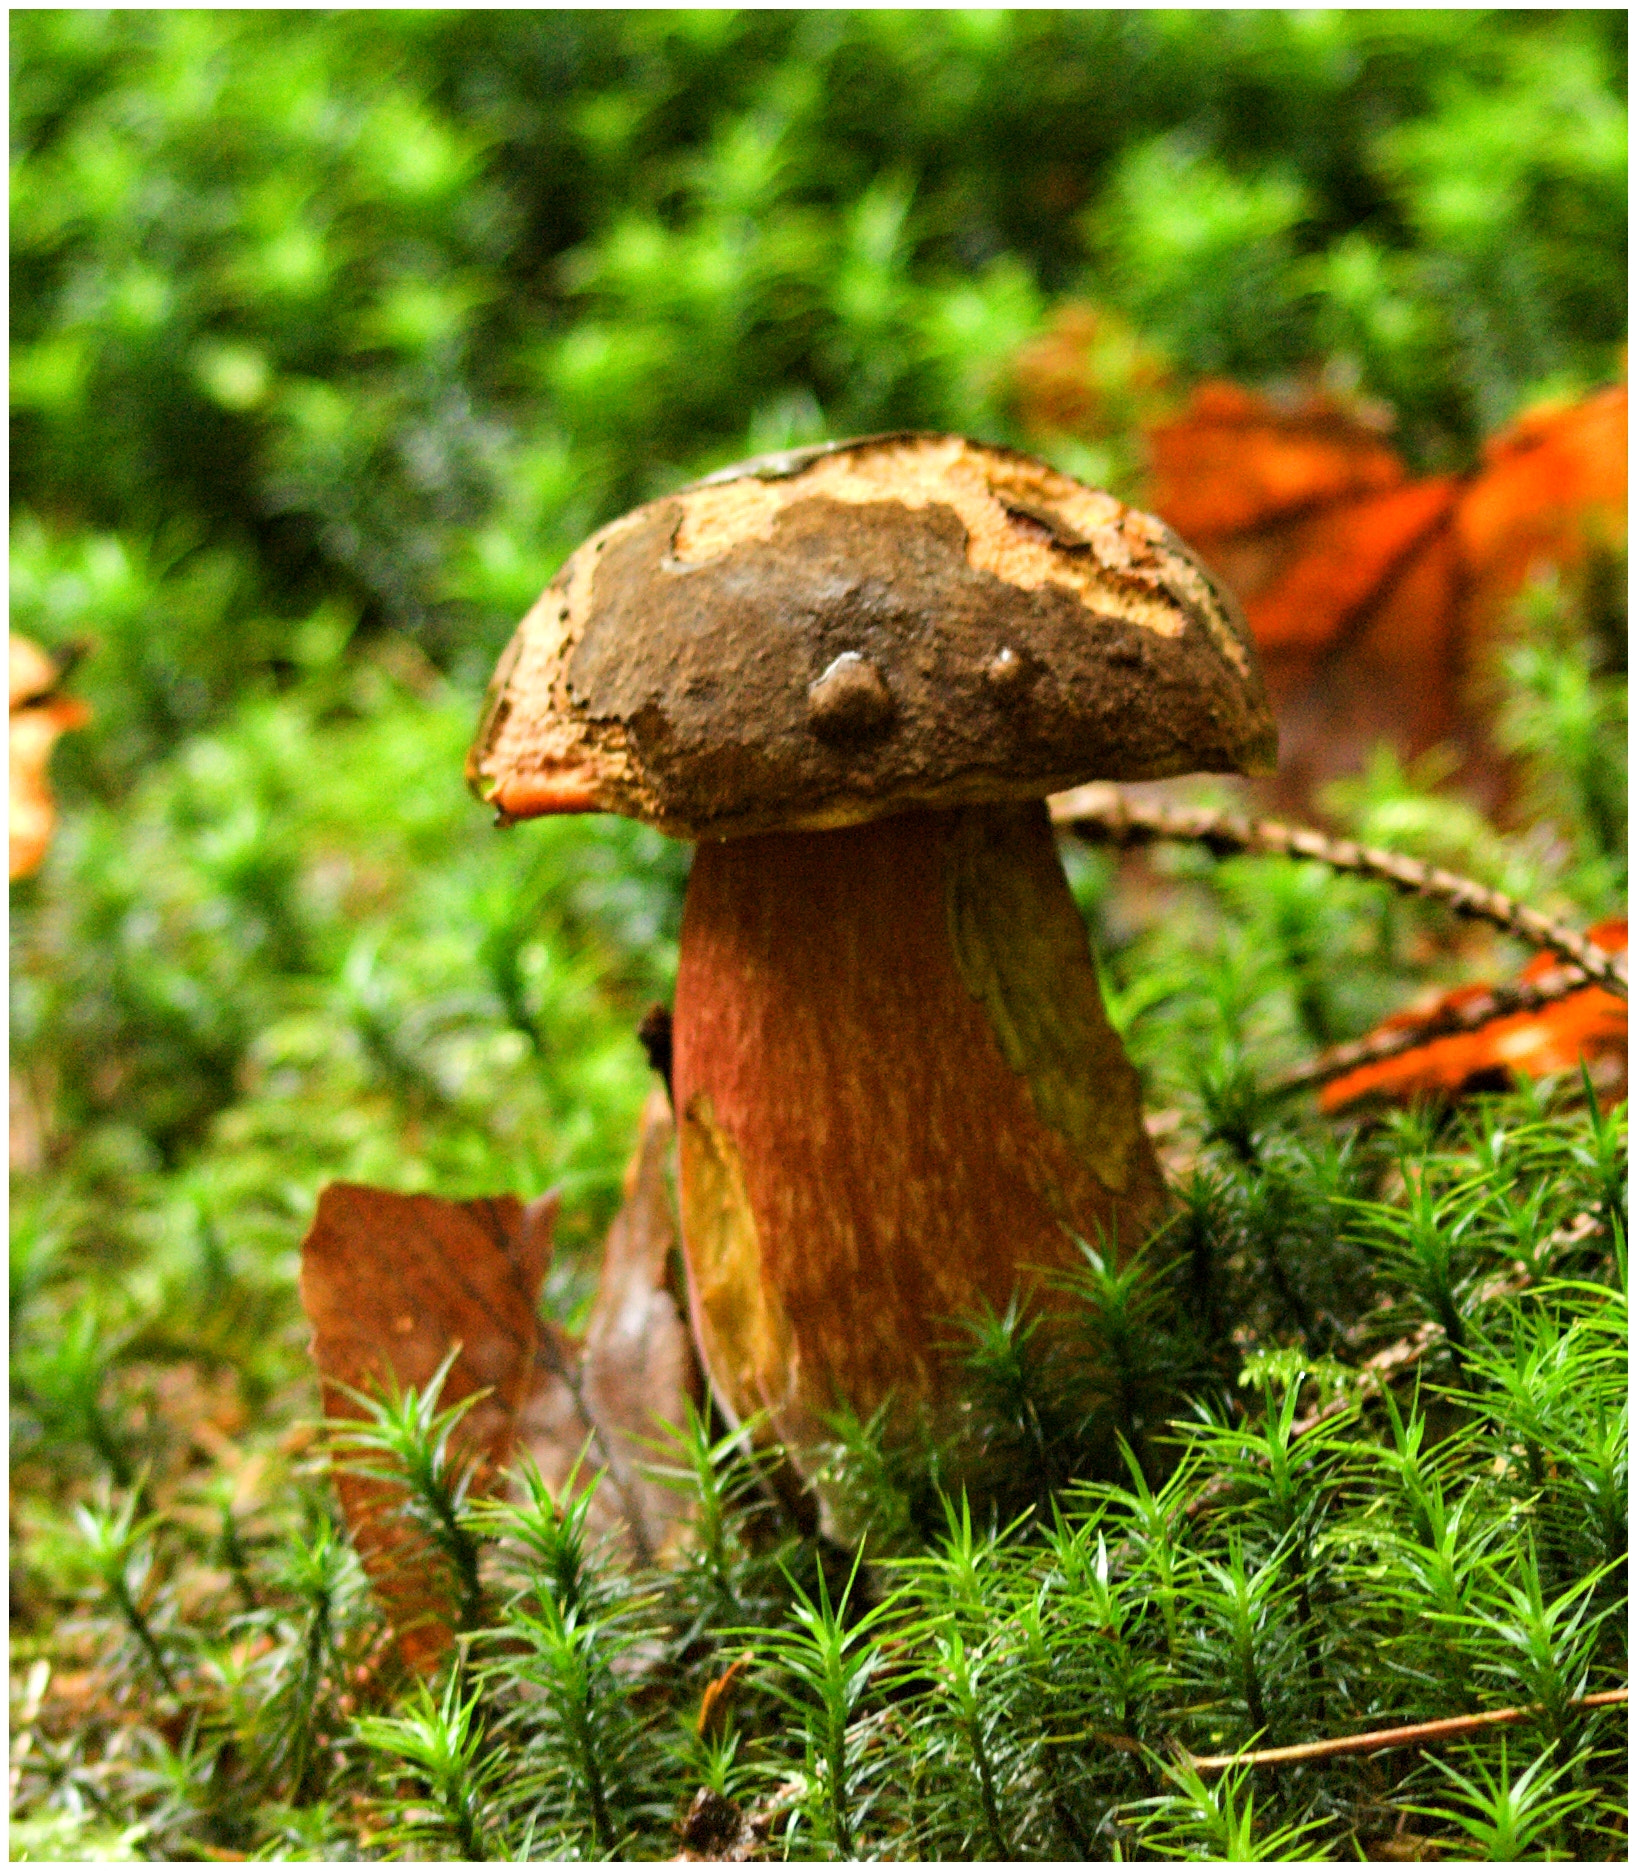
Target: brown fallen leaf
39,714
635,1368
1405,1848
395,1284
1589,1025
391,1283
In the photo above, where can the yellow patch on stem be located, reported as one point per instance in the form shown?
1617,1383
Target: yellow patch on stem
744,1333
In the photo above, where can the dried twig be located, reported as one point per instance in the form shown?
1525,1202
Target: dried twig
1473,1011
1109,817
1417,1734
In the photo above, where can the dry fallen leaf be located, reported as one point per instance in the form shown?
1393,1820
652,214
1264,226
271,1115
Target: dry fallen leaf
393,1283
1235,460
39,713
636,1367
1587,1025
1373,596
639,1362
1551,488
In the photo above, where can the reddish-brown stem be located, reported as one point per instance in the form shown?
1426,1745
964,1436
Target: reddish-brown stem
898,1096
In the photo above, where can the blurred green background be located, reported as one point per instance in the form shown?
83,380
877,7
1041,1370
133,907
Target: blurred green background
334,332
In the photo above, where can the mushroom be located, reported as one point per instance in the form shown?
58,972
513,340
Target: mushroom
851,675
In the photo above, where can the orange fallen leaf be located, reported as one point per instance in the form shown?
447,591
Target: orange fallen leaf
1235,460
1588,1025
392,1284
39,714
1551,488
1373,596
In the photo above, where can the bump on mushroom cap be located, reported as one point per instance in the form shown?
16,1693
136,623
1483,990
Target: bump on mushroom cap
827,636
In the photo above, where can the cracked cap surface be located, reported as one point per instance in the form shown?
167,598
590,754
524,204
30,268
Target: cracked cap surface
821,638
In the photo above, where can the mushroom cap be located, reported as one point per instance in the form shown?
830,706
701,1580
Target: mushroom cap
828,636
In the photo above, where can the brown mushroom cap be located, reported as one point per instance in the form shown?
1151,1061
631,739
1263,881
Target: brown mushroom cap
821,638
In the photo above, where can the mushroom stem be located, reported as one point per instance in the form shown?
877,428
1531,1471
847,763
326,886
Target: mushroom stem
899,1097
